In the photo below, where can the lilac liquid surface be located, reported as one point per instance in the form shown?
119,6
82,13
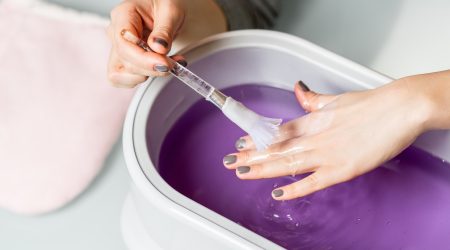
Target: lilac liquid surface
404,204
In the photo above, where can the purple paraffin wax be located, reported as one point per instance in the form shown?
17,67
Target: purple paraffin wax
404,204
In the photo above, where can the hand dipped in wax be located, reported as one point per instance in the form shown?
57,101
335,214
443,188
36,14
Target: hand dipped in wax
342,137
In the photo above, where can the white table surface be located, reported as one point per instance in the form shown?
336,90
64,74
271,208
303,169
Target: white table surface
394,37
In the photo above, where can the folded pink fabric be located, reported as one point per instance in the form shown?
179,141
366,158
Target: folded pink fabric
59,117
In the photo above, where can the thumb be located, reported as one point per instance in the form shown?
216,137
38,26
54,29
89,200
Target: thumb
168,19
310,100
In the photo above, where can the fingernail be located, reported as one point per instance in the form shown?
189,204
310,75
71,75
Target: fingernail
277,192
303,86
161,41
243,169
240,144
161,68
229,159
182,62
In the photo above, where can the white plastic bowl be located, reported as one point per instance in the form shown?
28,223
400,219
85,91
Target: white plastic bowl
155,216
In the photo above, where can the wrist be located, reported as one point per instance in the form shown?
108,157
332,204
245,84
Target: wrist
430,95
408,104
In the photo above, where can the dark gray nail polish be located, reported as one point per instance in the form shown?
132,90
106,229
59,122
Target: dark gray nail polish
303,86
229,159
277,192
161,68
161,41
240,144
243,169
182,62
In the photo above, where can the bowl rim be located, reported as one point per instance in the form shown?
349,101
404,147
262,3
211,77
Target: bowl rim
147,179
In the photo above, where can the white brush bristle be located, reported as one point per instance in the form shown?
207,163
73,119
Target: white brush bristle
263,130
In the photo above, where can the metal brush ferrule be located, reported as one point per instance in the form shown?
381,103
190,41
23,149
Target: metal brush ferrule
217,98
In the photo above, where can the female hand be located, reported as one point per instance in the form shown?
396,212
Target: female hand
157,22
343,136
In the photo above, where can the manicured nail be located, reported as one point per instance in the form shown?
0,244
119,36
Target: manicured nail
161,41
161,68
277,192
243,169
303,86
229,159
182,62
240,144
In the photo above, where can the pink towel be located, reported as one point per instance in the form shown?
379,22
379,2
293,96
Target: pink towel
59,117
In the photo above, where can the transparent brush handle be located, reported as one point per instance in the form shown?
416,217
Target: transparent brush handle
192,80
185,75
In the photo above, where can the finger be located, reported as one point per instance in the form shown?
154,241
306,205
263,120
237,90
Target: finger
288,130
118,75
275,151
139,71
156,64
294,164
168,18
310,184
125,17
310,100
131,69
125,80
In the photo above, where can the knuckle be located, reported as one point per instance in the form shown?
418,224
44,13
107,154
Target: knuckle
244,156
277,148
118,68
291,190
126,65
289,161
289,129
112,74
114,80
290,145
111,79
164,31
134,69
315,99
258,171
313,123
313,181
